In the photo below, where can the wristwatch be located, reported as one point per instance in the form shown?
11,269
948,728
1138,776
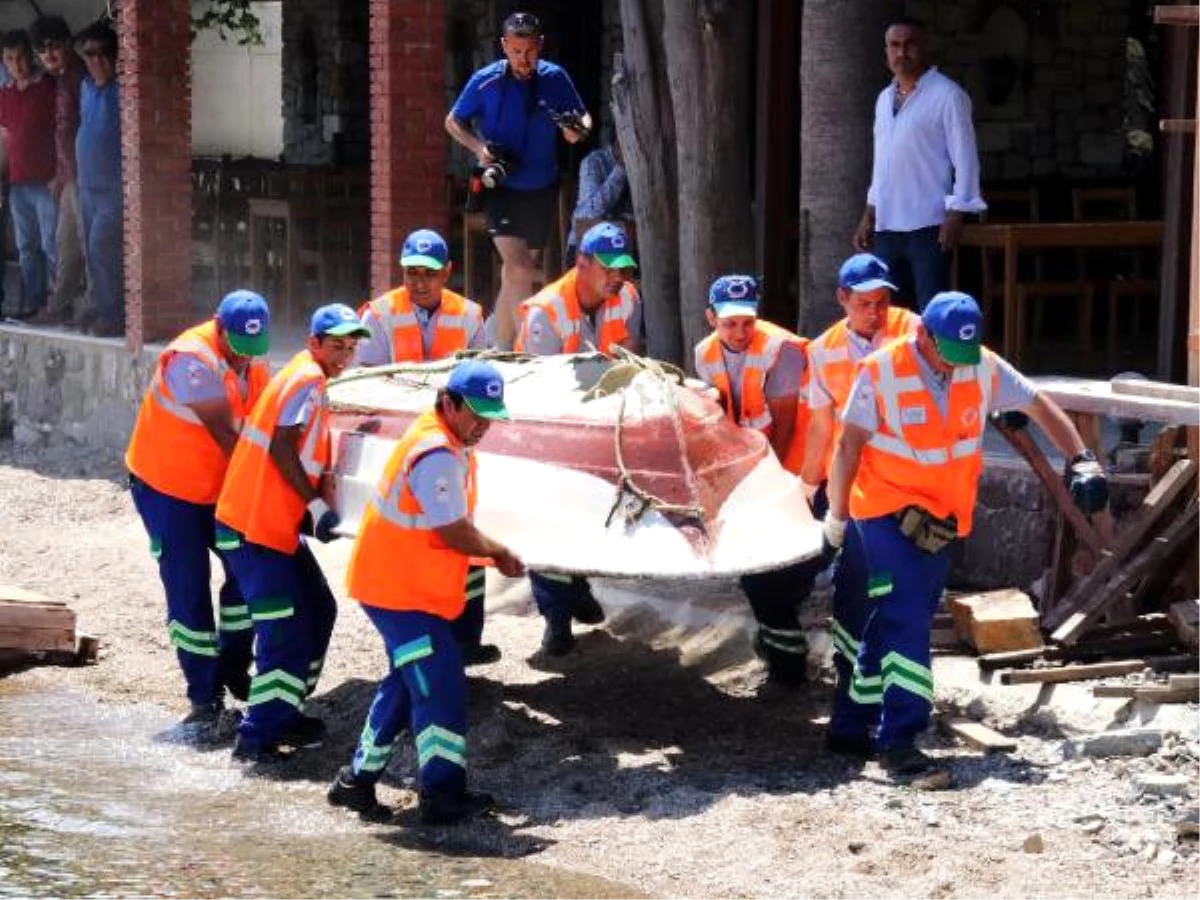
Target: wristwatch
1085,456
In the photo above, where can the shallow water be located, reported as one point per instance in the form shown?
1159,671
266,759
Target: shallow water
92,805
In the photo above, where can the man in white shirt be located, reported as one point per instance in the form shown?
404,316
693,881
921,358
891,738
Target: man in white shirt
925,175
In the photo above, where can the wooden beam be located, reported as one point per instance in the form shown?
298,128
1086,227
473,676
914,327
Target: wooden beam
1178,14
978,735
1162,390
1154,508
1081,672
1177,126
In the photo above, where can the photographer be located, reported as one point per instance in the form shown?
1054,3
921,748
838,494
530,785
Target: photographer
517,105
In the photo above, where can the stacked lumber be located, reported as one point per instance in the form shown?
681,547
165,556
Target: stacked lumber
35,628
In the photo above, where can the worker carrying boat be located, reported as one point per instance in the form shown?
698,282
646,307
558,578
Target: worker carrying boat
279,479
904,477
759,371
420,321
864,293
586,307
204,384
422,512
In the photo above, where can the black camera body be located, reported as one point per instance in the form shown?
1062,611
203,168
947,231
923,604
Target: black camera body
489,177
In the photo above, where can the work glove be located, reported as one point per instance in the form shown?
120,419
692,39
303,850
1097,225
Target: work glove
1013,418
833,535
324,521
1087,483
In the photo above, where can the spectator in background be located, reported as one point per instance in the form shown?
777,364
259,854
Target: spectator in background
27,117
925,176
52,41
5,79
603,192
98,164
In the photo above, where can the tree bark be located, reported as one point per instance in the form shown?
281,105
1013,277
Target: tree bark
710,73
842,70
645,125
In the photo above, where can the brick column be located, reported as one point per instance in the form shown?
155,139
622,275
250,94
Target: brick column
408,141
155,61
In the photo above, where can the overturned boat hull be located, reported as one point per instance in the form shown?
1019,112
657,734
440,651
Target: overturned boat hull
606,469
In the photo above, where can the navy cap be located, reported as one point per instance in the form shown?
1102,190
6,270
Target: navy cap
863,272
608,243
734,295
338,320
954,321
425,248
246,320
481,386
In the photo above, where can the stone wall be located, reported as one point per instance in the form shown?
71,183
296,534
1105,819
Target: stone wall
326,82
1046,80
57,387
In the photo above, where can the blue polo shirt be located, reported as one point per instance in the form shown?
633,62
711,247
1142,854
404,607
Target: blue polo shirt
512,113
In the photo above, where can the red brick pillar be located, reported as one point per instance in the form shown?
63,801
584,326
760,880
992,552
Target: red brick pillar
155,59
408,140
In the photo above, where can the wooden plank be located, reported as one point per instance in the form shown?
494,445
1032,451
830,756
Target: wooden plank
1185,621
978,735
1084,395
1116,691
1159,694
30,615
13,594
1154,508
1183,682
37,638
1162,548
1082,672
996,621
991,661
1177,126
1178,14
1162,390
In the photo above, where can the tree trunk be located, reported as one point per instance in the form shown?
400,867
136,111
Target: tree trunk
842,70
645,125
710,73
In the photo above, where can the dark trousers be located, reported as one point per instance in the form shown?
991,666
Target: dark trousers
182,535
919,266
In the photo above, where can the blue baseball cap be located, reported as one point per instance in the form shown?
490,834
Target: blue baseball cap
246,320
954,321
425,248
481,386
608,243
863,272
339,320
734,295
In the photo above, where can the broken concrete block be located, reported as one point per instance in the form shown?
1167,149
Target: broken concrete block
1130,742
1184,617
996,621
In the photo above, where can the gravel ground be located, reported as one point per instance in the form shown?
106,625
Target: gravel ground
656,758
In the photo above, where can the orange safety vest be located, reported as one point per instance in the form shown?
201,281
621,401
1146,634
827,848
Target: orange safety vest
560,301
761,356
830,356
170,448
457,318
394,528
918,457
256,500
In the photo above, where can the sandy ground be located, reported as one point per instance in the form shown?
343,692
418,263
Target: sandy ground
654,756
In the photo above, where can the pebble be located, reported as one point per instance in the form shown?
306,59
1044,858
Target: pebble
1034,844
1160,785
1090,824
1166,857
1129,742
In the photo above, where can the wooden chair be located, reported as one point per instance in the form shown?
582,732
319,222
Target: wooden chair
1039,295
1006,206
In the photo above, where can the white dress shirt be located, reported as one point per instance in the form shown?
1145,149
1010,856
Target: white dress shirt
925,157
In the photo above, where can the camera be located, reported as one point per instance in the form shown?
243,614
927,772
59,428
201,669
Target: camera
489,177
571,120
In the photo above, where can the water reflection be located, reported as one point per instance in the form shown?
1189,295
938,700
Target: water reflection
91,806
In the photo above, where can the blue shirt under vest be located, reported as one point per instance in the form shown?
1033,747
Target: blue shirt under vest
513,113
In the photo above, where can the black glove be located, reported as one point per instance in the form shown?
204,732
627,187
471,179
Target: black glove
323,520
1087,483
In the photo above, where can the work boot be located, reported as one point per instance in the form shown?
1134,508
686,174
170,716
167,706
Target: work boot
859,746
557,639
445,809
238,685
262,754
303,731
586,610
357,794
480,655
203,716
906,759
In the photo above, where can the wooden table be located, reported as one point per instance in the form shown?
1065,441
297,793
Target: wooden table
1014,238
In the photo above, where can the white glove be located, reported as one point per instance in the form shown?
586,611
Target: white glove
810,490
317,508
833,530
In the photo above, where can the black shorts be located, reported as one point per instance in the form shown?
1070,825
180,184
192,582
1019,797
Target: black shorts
521,214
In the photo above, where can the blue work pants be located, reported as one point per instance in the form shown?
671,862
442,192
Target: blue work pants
851,610
426,690
181,536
